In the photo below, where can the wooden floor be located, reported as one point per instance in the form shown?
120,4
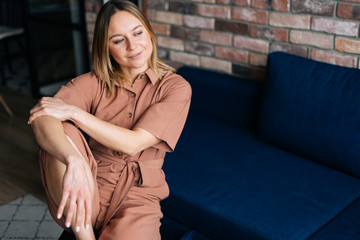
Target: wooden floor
19,168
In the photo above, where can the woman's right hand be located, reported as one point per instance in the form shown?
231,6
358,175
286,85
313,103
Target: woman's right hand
77,193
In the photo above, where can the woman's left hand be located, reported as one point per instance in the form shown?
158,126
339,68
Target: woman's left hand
54,107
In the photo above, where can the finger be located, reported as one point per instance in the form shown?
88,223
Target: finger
70,213
34,116
88,212
79,214
36,108
63,202
37,114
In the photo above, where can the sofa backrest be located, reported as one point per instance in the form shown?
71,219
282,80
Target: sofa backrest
223,97
312,109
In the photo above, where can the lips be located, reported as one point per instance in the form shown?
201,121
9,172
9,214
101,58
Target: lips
135,56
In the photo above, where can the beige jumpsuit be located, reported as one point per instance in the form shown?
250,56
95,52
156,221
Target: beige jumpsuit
128,189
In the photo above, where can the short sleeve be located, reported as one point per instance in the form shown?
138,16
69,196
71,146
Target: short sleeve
166,118
80,91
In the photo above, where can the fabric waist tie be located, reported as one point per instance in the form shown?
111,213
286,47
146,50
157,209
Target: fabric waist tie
126,180
132,171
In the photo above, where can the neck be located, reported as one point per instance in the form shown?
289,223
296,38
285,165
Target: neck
130,76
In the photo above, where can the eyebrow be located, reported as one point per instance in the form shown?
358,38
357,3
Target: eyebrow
118,35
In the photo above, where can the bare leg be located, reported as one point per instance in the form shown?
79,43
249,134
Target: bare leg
54,173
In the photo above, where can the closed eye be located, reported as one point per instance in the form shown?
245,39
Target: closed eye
138,33
119,41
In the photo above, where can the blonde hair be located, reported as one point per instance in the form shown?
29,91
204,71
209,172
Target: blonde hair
105,67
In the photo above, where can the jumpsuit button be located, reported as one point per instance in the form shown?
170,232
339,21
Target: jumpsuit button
129,115
142,76
119,154
133,95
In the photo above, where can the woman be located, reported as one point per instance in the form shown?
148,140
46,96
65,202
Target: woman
133,108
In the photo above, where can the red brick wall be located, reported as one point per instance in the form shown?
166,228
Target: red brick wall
235,36
92,7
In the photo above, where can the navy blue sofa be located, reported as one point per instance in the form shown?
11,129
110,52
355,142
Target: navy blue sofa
278,159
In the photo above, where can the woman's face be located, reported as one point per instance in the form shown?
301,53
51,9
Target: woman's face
129,43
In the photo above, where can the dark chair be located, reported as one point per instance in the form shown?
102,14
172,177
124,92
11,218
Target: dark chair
11,28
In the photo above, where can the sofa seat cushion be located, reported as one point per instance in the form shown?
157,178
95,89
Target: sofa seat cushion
229,185
344,227
173,230
312,109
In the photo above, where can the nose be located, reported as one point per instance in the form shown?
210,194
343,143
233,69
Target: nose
131,44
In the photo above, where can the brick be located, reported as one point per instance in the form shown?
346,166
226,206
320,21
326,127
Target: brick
98,6
216,64
169,17
262,4
256,45
175,65
163,53
258,59
186,58
90,28
268,33
279,5
160,28
290,20
185,33
232,54
90,42
150,14
199,22
225,2
348,11
335,26
314,7
90,17
311,38
157,4
205,1
296,50
233,27
214,11
347,45
89,6
183,7
242,3
216,38
172,43
199,48
249,72
333,58
250,15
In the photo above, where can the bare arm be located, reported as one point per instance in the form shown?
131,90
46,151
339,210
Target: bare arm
50,135
129,141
